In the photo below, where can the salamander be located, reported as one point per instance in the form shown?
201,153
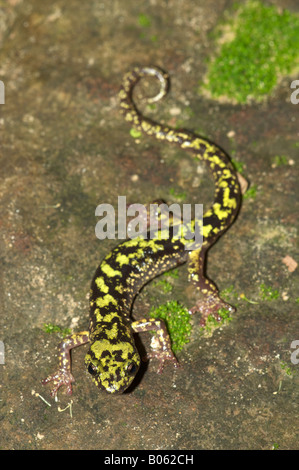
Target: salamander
113,359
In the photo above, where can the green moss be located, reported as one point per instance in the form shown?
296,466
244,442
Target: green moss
144,20
230,295
268,293
180,195
135,133
286,368
174,273
258,46
251,192
212,324
239,166
177,320
280,160
228,292
164,284
50,328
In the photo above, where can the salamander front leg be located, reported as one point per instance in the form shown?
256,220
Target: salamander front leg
63,375
211,304
160,344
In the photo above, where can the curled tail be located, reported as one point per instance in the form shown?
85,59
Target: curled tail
227,190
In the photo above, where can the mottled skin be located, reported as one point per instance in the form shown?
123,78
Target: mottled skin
113,360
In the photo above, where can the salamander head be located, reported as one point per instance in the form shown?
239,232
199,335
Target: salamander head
113,365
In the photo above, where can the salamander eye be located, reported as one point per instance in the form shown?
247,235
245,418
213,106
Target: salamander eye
92,369
131,368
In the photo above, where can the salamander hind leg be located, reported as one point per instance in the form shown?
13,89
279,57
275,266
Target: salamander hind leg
211,303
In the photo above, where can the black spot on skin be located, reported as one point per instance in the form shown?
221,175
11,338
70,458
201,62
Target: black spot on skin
105,353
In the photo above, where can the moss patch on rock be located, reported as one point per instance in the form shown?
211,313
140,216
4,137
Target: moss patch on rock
255,49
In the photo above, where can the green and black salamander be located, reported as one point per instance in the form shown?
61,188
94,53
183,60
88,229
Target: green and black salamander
113,360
